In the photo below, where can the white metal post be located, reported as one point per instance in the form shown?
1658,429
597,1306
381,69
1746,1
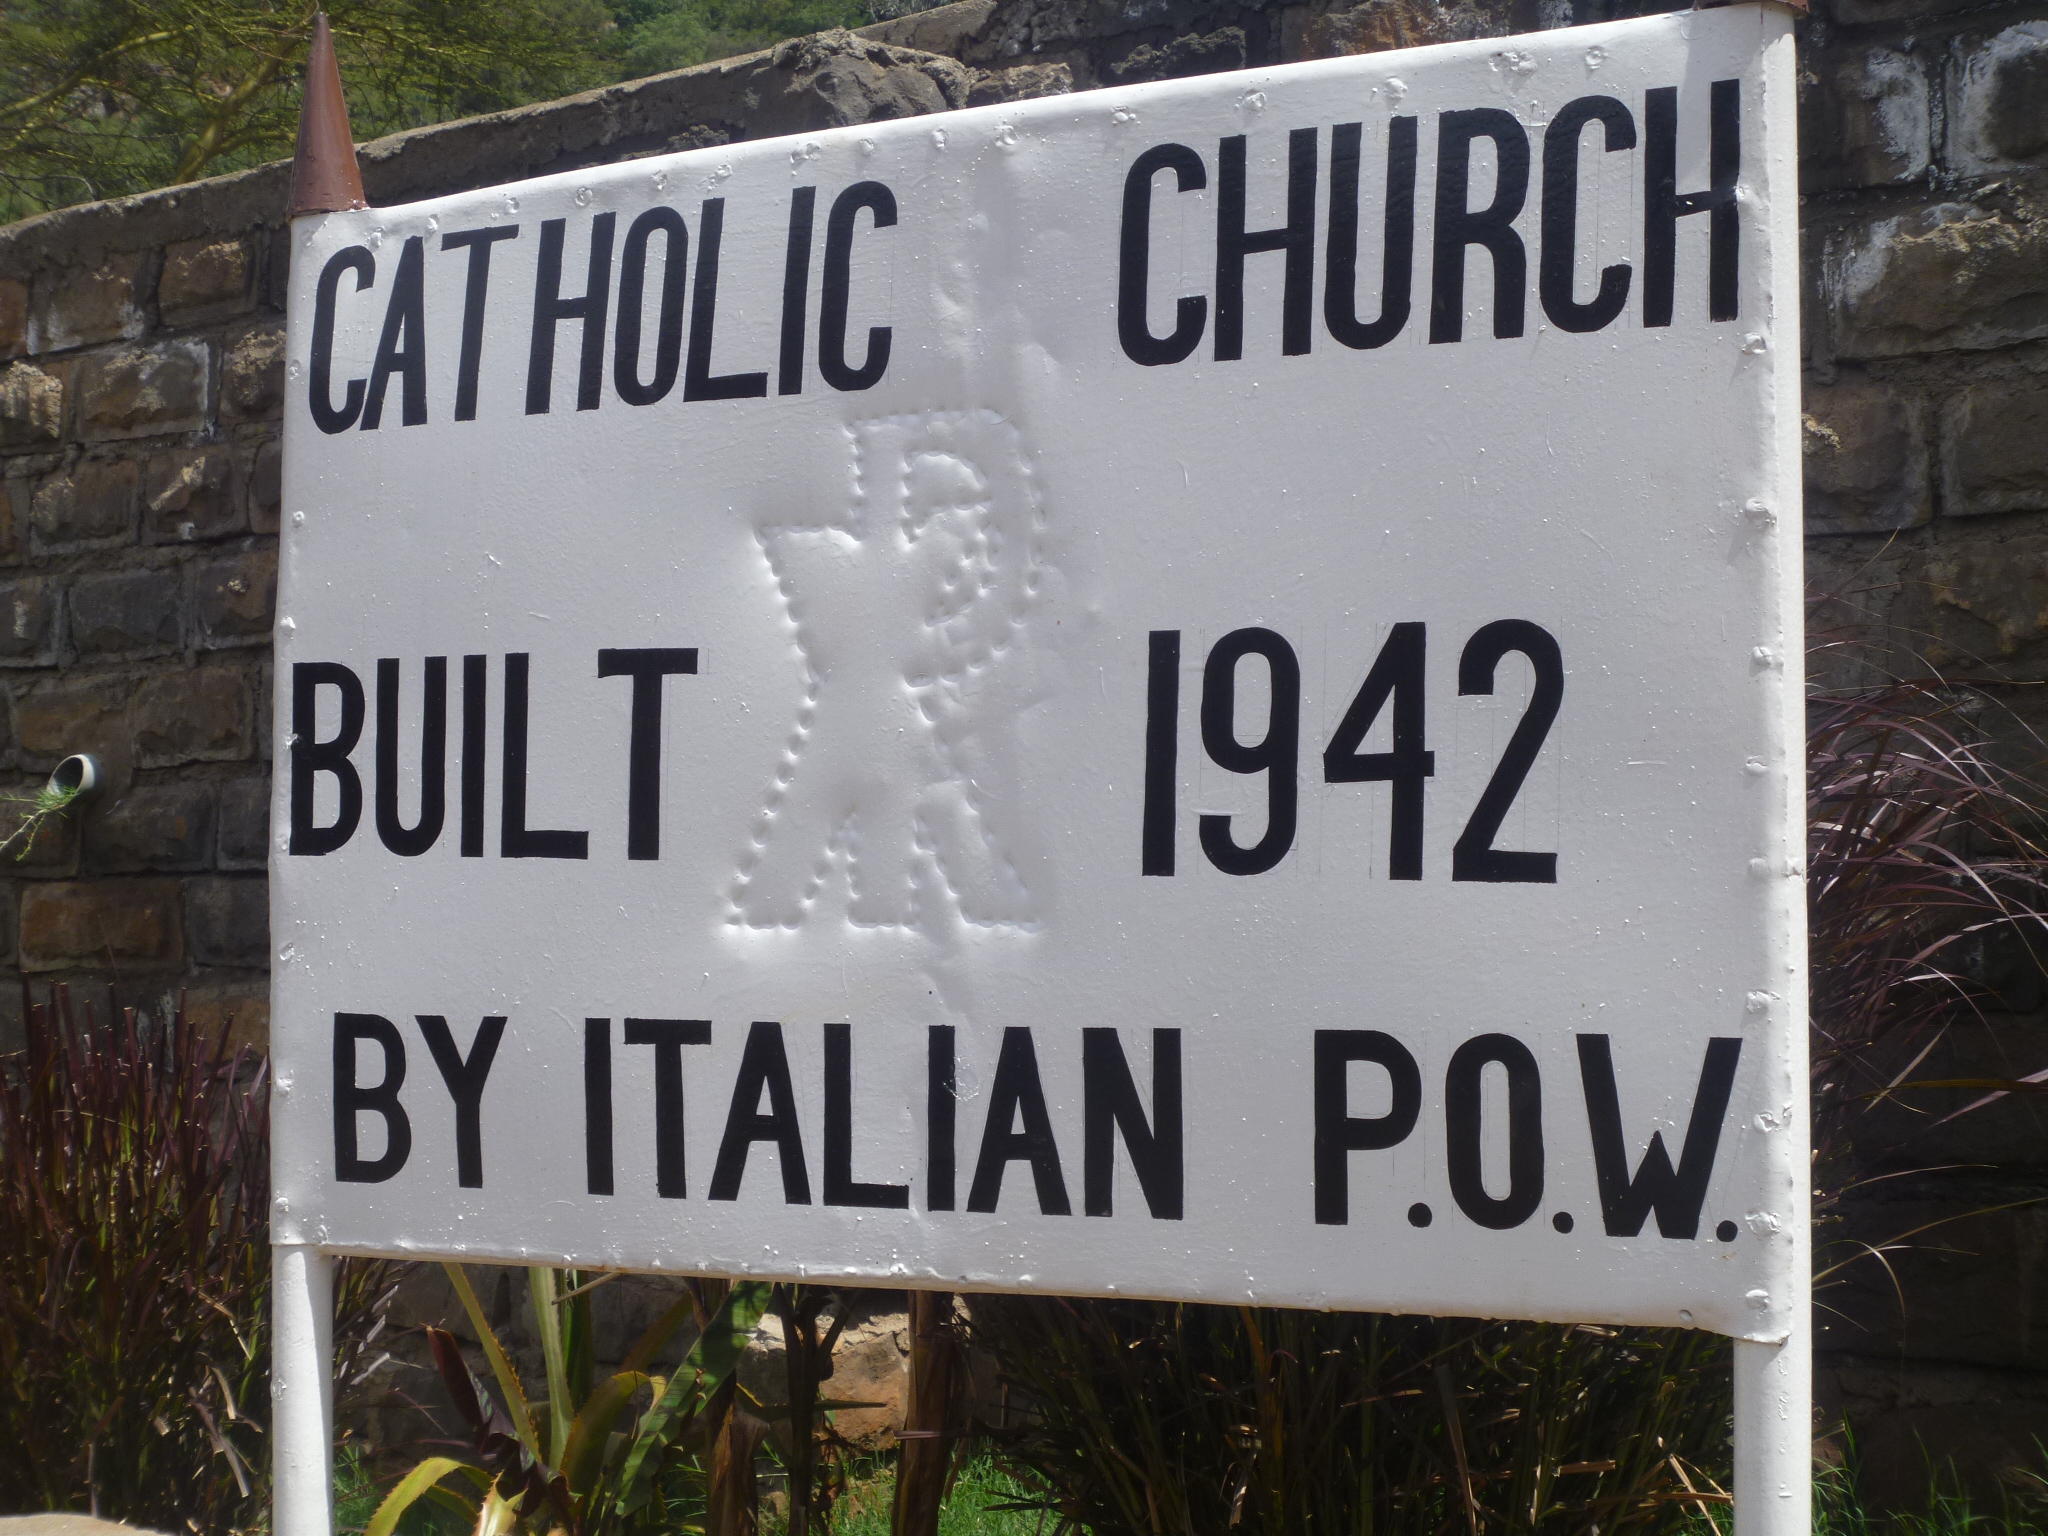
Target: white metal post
1774,1436
302,1389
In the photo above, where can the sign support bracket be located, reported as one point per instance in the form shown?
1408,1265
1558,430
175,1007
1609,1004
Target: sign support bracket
302,1388
1774,1432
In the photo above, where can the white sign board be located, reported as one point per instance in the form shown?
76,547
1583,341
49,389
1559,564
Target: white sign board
1188,691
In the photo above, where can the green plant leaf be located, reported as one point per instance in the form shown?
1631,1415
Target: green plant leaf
411,1488
591,1432
517,1409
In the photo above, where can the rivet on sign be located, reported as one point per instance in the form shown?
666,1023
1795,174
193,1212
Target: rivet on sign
1757,510
1764,656
1756,1002
584,196
1754,343
1755,767
1757,1299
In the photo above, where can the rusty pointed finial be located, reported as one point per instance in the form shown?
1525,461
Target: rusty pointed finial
325,178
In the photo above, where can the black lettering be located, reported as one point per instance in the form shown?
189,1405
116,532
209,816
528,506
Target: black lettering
1110,1108
668,325
515,839
941,1117
796,286
311,757
598,1161
1134,261
1664,205
1017,1093
589,308
1459,226
699,382
647,666
841,1187
476,287
1561,215
1275,754
409,842
352,1099
475,676
836,287
1675,1195
763,1065
668,1037
402,348
1162,753
1463,1131
327,416
1338,1132
1397,260
465,1077
1297,238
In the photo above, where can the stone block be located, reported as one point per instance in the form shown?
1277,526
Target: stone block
1865,12
1197,53
245,823
16,496
1020,83
189,494
233,599
236,1007
1866,453
204,280
31,407
265,486
153,827
1315,32
227,920
72,714
27,607
13,317
202,715
144,391
73,923
10,923
252,377
1944,278
1864,120
82,306
93,502
1998,99
1995,449
1989,598
127,612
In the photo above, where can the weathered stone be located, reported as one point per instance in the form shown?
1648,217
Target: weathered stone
1996,450
1373,27
31,407
1998,99
252,377
86,305
1942,278
27,606
153,827
71,715
144,391
100,922
1864,121
1990,598
189,493
836,78
1194,54
127,611
233,598
10,923
1021,83
227,921
16,497
266,486
234,1007
91,503
204,280
1866,459
1860,12
198,716
13,317
245,823
870,1365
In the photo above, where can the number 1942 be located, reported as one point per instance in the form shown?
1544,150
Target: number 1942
1393,686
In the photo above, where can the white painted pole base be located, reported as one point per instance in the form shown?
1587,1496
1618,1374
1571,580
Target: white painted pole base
1774,1437
302,1390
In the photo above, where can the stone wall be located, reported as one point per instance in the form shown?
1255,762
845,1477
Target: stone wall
139,397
